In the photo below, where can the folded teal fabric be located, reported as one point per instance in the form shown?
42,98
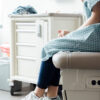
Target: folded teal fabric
24,10
86,39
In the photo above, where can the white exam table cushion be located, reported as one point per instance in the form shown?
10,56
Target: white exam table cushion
80,60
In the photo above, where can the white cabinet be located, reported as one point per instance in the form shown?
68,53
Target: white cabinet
29,33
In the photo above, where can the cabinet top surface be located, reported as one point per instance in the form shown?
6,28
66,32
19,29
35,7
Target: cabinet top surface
46,15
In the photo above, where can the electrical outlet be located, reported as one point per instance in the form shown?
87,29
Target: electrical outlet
93,82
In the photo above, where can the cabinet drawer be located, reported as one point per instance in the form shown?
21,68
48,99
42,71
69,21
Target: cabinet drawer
28,68
26,26
28,37
29,51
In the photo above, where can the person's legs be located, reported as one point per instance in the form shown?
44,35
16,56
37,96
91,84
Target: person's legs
39,92
52,91
48,78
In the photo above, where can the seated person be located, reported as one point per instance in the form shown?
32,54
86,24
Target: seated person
84,39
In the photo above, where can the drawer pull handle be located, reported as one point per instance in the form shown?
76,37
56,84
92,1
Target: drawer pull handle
38,31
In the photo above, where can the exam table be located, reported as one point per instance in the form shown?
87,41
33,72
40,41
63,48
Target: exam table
80,74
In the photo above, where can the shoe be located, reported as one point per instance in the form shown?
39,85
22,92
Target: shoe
32,96
47,98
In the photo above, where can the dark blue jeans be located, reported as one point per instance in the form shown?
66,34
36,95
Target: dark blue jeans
49,75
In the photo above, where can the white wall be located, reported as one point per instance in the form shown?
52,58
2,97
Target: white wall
42,6
0,19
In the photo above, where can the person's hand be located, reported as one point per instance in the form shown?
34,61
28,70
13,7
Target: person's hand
62,33
82,0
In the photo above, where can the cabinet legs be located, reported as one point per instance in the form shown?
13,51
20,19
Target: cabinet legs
16,87
32,86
